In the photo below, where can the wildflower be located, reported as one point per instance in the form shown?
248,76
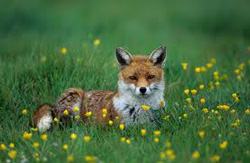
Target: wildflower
202,100
76,109
73,136
55,120
170,154
157,133
232,111
90,159
201,87
27,135
194,91
64,50
104,111
121,126
196,155
145,107
241,66
2,147
123,139
128,141
77,117
215,158
217,84
65,112
209,65
197,69
236,71
12,154
97,42
215,73
216,112
143,132
234,124
162,103
34,129
247,111
36,144
223,145
185,115
44,137
205,110
186,91
104,115
12,145
88,114
111,122
36,155
184,65
156,140
234,95
203,69
86,138
65,147
162,155
70,158
188,100
201,134
166,117
24,111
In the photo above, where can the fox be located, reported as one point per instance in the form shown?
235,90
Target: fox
141,83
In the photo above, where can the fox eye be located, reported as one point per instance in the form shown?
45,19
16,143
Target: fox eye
132,78
151,77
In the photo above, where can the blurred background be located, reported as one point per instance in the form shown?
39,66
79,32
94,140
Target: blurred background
209,26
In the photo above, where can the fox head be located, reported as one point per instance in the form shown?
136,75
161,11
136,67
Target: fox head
141,76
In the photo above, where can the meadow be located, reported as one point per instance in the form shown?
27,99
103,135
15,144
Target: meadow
48,46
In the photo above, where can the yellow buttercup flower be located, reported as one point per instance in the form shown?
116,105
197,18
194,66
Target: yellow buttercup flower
44,137
197,69
36,144
90,159
55,120
209,65
12,145
145,107
194,91
217,84
202,100
111,122
162,155
27,135
232,111
76,109
128,141
64,50
123,139
185,115
12,154
65,147
186,91
215,158
170,154
97,42
2,147
104,115
237,71
121,126
156,140
201,134
162,103
205,110
157,133
223,145
104,111
24,111
77,117
203,69
234,95
188,100
73,136
247,111
196,155
86,138
201,87
88,114
34,129
65,112
184,65
36,155
70,158
143,132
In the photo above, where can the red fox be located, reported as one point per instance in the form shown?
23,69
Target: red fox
140,87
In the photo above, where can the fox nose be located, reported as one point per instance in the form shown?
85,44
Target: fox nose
143,90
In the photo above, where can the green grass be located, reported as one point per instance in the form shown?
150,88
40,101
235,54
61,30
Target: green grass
32,30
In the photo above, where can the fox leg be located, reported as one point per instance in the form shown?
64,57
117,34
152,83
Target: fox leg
71,100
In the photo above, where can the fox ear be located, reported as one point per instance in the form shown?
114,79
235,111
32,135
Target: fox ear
123,57
158,56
